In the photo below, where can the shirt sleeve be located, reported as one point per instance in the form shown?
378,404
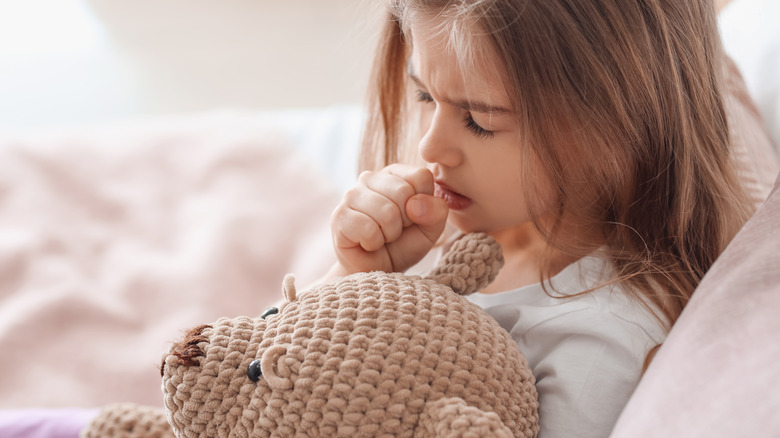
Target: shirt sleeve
587,364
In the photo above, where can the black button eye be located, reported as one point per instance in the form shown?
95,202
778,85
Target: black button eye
270,311
254,372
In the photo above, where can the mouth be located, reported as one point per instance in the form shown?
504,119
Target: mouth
455,201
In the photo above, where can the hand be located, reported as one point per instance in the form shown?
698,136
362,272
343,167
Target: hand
388,221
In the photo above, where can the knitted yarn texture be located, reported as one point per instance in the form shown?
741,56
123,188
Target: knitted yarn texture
128,420
370,354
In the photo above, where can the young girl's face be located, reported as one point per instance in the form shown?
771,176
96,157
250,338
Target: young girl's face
471,141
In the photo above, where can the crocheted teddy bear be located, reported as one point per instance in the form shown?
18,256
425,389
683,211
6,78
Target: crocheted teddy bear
370,354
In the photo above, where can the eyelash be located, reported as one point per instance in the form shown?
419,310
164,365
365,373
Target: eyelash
469,121
475,129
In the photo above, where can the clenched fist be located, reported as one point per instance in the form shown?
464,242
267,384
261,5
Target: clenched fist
388,221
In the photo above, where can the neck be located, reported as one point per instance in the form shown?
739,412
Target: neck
523,249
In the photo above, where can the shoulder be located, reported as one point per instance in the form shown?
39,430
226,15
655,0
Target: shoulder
560,309
605,324
586,351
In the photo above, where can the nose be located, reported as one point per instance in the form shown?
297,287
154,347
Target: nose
440,144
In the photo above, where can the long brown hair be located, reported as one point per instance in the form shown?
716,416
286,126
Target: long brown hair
631,89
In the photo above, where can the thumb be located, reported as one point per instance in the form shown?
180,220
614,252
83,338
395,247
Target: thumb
429,213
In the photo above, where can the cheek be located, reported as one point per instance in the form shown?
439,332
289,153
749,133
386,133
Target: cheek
501,180
513,193
511,202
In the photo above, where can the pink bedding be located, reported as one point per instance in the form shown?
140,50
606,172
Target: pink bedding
44,423
115,238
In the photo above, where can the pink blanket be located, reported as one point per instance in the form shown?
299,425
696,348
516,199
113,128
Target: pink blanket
115,238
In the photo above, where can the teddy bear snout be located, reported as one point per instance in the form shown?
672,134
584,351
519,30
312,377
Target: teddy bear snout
275,369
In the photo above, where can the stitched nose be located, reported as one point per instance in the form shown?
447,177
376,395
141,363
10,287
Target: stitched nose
275,369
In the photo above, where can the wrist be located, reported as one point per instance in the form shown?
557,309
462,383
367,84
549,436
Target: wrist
336,271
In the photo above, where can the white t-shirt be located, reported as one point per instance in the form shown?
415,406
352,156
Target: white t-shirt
586,352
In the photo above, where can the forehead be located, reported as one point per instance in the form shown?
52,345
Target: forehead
455,56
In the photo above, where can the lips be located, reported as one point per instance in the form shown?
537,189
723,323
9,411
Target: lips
455,200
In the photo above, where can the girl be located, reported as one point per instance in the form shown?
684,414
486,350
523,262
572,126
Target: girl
589,138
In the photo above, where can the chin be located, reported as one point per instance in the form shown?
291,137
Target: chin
467,225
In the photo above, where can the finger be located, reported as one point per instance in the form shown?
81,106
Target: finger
416,240
420,178
357,260
429,213
393,187
351,229
382,210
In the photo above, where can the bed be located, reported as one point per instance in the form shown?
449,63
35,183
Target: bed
117,236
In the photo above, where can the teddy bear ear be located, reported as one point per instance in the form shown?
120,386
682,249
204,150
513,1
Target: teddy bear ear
288,288
451,417
471,263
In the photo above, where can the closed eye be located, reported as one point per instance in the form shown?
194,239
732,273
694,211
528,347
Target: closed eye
471,124
424,96
475,129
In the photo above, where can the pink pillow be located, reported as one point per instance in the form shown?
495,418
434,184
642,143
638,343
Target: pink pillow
717,373
752,148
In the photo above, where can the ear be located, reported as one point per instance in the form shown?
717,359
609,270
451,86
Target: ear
128,420
288,288
452,417
275,369
472,262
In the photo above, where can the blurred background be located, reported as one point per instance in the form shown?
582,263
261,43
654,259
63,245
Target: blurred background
165,162
72,61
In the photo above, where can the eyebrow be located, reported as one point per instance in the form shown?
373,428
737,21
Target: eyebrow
468,105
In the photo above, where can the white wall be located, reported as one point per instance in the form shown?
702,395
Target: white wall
64,61
751,36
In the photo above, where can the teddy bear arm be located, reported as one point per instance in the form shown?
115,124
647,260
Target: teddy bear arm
452,417
128,420
471,263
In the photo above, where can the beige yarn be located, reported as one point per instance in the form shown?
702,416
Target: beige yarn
453,417
370,354
469,265
128,420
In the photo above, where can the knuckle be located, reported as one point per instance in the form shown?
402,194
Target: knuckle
352,194
393,167
337,213
339,222
372,235
400,170
364,175
370,229
423,175
406,190
388,214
